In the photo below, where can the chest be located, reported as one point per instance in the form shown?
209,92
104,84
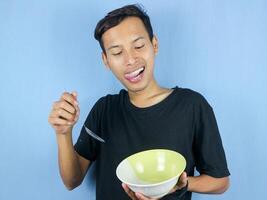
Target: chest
127,133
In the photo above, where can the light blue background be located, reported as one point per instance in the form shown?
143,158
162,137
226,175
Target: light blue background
218,48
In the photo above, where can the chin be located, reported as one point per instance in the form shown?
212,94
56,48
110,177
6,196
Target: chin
136,88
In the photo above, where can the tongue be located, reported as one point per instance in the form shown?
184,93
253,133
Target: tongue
133,74
134,79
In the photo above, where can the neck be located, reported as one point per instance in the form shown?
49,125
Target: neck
148,96
151,89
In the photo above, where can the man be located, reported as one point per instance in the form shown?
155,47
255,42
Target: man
145,116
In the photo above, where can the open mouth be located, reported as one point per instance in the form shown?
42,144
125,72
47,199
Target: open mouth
136,75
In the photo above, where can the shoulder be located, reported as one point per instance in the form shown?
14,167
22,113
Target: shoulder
111,99
191,96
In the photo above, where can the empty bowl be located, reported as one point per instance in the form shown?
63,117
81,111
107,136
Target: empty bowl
152,172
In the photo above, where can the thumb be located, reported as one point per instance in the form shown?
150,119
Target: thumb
182,180
75,94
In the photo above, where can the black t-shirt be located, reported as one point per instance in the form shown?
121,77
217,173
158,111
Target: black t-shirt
183,122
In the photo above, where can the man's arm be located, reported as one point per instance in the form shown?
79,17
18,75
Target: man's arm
207,184
72,167
200,184
64,115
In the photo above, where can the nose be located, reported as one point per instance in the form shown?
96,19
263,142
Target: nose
130,58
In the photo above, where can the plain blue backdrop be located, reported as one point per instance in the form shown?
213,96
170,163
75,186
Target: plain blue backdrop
218,48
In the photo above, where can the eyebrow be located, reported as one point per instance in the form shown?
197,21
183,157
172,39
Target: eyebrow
141,37
117,46
114,46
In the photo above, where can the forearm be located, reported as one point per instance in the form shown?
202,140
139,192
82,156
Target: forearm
208,184
69,166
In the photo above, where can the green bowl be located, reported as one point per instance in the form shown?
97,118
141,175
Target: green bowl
153,172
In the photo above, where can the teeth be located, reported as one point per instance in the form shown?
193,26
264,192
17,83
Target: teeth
135,73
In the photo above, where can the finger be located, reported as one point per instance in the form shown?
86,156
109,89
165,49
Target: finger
69,98
68,107
76,106
58,121
61,113
75,94
142,197
130,193
182,181
183,177
173,189
64,105
77,114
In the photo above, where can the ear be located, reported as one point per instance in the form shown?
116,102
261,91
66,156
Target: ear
105,60
155,44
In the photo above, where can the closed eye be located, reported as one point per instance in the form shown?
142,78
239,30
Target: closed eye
139,47
116,54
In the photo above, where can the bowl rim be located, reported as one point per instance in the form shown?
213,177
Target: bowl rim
151,184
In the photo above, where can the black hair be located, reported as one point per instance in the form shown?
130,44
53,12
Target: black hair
115,17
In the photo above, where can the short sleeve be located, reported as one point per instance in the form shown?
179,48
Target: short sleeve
208,148
86,146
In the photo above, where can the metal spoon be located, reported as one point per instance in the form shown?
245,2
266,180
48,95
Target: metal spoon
91,133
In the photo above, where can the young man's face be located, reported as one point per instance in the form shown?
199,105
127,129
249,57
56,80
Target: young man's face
130,54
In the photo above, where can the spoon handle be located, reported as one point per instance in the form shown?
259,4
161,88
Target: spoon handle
91,133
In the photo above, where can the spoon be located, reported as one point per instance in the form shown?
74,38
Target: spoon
91,133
